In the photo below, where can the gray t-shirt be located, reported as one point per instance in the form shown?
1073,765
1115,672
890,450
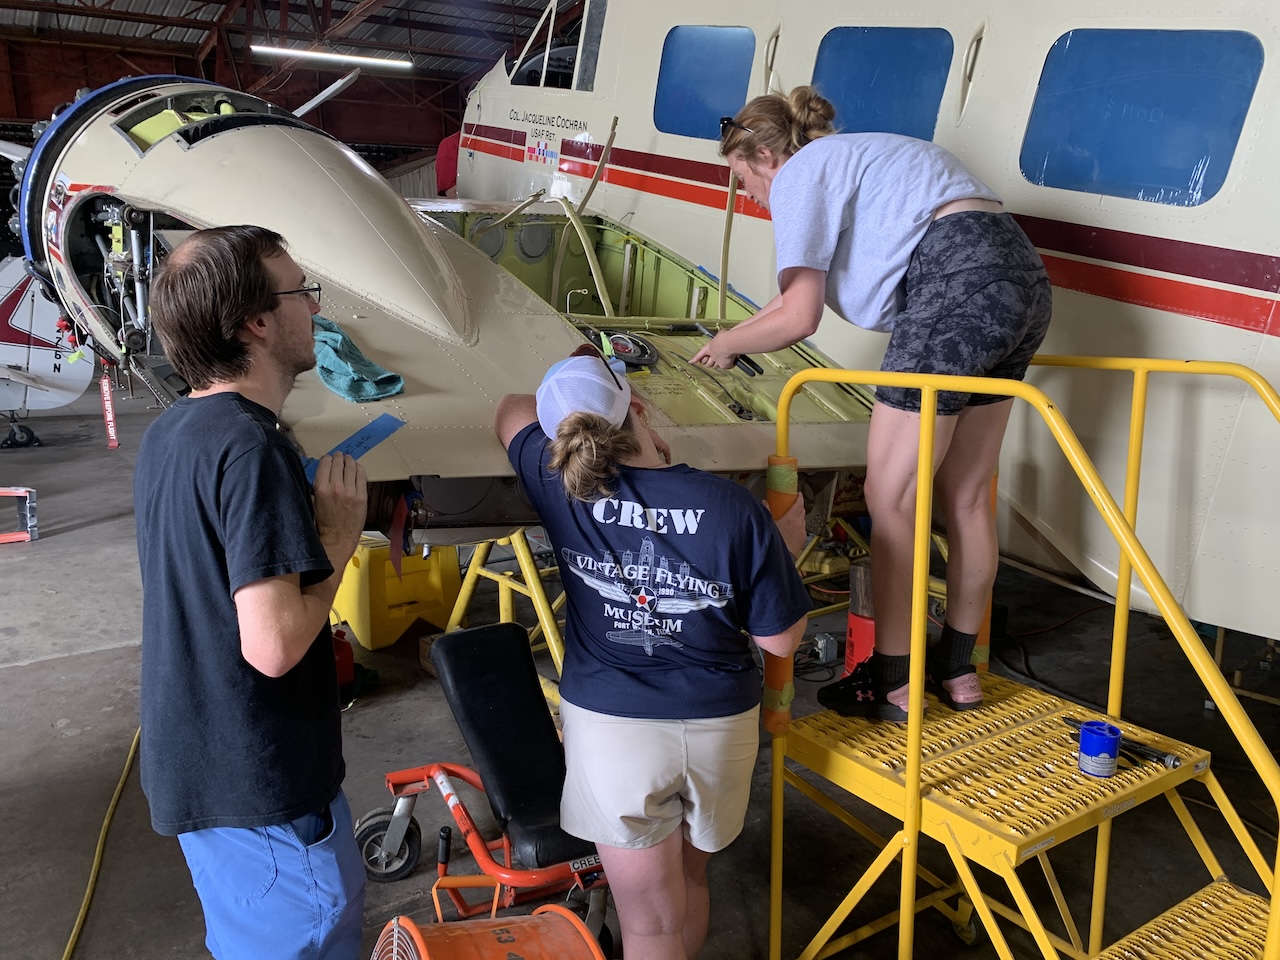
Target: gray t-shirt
855,205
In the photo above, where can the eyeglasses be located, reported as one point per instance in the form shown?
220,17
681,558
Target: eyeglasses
727,122
616,382
312,292
605,360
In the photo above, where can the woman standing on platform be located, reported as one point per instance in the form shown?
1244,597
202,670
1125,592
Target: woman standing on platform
895,235
665,568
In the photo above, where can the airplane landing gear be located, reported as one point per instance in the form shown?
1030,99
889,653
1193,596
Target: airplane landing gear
20,435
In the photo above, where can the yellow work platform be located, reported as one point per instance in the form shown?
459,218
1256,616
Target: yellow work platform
1003,778
1001,786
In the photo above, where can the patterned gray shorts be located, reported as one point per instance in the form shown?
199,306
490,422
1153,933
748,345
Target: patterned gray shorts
978,303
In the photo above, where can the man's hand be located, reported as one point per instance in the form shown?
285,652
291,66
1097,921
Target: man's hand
791,526
716,353
278,617
342,500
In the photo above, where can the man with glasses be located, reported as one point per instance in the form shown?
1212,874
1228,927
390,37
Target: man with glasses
311,291
240,560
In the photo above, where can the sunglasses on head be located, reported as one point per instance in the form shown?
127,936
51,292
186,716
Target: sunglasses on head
616,382
727,122
596,352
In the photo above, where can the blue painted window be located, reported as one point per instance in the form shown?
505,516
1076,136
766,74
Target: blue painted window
884,79
703,76
1150,115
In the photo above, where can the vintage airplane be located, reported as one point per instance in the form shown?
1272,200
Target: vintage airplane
465,300
1135,149
40,356
41,364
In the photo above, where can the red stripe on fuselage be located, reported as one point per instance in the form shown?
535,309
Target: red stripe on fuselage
10,332
502,134
1242,310
503,150
1236,267
716,174
675,189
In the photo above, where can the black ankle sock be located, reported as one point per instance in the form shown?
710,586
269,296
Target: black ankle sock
955,651
889,673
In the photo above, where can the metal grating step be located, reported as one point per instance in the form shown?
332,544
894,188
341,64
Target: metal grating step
1004,777
1221,921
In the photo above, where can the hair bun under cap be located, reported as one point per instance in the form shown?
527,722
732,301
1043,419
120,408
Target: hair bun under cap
581,385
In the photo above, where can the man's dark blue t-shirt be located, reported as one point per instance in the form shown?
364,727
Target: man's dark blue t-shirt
221,502
661,579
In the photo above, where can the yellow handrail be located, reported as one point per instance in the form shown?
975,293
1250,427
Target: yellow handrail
1141,368
1132,550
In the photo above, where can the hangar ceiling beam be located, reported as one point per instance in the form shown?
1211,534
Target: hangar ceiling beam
103,13
224,19
417,18
362,11
356,16
164,48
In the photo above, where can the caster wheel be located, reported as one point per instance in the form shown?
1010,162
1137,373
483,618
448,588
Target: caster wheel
970,932
382,865
607,946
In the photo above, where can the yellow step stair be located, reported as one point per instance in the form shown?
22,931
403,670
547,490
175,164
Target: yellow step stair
1221,921
1004,778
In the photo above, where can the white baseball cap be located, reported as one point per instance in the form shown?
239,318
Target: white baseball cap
582,384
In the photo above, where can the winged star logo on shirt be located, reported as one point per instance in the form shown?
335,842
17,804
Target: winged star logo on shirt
645,598
644,594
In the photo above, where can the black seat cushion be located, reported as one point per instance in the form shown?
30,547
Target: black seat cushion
490,680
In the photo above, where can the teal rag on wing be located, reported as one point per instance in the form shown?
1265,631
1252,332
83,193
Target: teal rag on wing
348,372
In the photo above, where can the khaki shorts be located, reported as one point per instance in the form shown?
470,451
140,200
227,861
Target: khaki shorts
630,783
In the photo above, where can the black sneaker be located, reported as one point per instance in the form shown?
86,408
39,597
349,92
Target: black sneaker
857,695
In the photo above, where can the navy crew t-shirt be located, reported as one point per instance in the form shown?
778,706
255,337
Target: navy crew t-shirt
662,577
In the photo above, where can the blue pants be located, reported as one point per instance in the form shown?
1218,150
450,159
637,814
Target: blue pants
295,890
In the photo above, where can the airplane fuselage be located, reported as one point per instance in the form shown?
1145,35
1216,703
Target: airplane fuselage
1136,150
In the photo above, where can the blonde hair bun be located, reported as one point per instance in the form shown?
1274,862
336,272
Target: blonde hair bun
811,112
780,124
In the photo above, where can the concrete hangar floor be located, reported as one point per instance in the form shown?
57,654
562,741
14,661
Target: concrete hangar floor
69,659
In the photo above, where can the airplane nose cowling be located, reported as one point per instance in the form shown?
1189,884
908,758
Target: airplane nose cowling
344,223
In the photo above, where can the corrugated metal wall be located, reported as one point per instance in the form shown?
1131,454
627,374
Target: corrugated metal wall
416,180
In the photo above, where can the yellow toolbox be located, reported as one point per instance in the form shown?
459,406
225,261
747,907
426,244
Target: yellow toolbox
379,607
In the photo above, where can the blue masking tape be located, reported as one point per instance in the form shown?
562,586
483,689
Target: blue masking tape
359,443
729,286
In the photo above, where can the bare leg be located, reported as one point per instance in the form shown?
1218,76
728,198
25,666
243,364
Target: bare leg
892,451
697,898
661,896
963,489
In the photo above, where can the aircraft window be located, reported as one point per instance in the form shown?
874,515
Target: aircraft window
885,79
551,53
1151,115
559,72
703,76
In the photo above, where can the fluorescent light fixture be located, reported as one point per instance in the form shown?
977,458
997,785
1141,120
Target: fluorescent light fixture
326,55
